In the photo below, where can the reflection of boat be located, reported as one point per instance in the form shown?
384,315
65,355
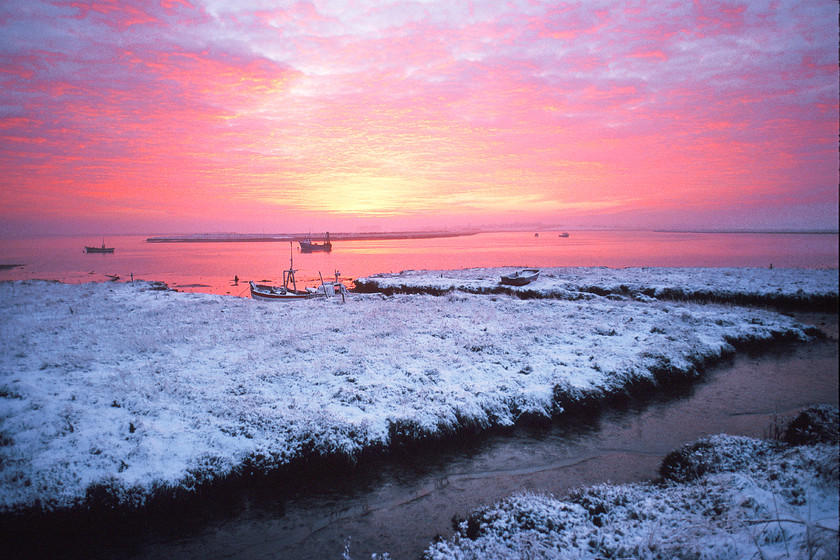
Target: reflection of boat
564,234
521,277
102,249
307,246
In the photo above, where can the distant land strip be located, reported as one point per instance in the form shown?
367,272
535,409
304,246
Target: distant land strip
245,237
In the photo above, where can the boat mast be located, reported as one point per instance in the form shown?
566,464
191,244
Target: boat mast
289,275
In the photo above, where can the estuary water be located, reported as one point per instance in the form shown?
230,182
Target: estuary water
212,266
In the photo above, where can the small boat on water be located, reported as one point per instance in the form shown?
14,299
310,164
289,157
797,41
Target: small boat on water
564,234
521,277
102,249
307,246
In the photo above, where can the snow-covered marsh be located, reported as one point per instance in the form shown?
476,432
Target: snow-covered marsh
816,288
745,499
126,389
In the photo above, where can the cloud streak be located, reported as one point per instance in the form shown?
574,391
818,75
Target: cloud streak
204,115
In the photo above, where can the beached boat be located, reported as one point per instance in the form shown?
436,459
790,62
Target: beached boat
289,291
102,249
307,246
262,291
521,277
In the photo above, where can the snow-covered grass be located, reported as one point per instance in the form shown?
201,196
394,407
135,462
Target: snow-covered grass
122,390
722,497
764,286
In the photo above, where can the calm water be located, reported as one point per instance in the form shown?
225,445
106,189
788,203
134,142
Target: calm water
211,267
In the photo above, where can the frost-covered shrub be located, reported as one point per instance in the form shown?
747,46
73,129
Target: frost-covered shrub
816,424
720,453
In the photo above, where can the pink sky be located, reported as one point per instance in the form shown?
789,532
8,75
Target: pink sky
175,116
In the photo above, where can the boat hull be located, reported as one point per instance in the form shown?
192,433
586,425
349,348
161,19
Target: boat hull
275,293
521,278
99,249
307,247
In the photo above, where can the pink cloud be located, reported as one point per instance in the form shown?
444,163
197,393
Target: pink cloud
537,109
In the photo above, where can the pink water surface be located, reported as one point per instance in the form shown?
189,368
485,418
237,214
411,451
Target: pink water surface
211,267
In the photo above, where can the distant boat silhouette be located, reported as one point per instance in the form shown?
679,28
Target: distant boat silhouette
307,246
564,234
102,249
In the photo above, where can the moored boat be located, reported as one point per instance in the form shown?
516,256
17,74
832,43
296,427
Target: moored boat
102,249
289,291
521,277
262,291
307,246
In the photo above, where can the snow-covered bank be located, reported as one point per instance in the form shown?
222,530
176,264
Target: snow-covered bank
722,497
121,390
781,287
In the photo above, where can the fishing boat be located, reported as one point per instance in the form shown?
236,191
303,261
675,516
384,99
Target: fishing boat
262,291
521,277
307,246
289,291
102,249
564,234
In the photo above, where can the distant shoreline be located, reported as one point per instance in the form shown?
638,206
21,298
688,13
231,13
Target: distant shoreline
374,236
262,238
750,232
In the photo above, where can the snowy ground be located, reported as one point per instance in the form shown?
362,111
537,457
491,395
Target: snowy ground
723,497
125,390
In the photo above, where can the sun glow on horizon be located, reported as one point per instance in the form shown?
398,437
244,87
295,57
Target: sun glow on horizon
199,116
